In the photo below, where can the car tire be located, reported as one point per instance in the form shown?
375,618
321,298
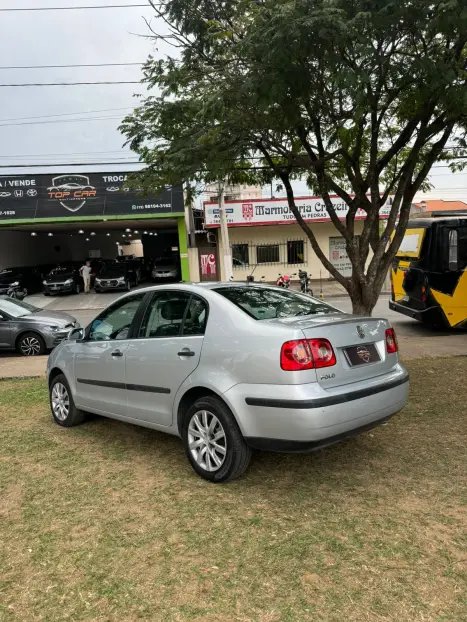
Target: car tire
46,294
128,286
64,411
31,344
77,289
228,455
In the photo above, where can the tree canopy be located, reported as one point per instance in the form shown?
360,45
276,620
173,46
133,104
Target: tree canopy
359,98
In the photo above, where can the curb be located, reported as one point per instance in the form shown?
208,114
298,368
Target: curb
32,377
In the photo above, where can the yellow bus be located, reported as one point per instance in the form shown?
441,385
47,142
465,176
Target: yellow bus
429,273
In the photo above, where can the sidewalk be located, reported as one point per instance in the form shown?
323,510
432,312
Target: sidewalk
16,366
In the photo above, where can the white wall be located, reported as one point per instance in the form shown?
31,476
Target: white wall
135,248
20,249
280,234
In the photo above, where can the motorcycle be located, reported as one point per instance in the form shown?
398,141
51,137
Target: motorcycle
284,280
305,282
15,292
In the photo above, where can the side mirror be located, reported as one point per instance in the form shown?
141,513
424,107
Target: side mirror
76,334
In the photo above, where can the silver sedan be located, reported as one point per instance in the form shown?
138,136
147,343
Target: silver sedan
230,368
29,330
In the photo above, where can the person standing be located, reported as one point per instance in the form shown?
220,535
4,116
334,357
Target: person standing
86,274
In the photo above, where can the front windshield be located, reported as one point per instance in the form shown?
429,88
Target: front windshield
8,271
114,269
263,303
15,308
61,270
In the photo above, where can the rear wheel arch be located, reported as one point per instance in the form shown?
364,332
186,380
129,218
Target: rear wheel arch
190,397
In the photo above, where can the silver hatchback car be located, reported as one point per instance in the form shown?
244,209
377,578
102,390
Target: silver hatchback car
230,368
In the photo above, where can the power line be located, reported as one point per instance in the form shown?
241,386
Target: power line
66,114
70,83
114,117
47,164
69,66
68,154
75,8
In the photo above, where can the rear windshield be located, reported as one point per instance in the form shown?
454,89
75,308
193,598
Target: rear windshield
262,303
8,271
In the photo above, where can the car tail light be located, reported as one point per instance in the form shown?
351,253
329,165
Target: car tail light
391,341
307,354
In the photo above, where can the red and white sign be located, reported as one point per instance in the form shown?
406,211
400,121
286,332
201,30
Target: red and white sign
277,211
208,264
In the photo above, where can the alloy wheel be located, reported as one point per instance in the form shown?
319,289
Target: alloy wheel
60,401
207,440
30,346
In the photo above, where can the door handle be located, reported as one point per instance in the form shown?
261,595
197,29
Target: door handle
186,352
117,353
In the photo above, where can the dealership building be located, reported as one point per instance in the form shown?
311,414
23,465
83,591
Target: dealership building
51,219
266,240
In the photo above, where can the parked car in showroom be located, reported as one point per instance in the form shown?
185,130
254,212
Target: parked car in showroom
29,330
64,279
116,276
26,278
230,368
165,270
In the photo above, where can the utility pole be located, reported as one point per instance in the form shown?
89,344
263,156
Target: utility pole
224,233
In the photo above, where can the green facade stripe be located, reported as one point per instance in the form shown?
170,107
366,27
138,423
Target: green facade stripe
182,245
74,219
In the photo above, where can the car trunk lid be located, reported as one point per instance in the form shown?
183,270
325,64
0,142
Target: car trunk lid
359,344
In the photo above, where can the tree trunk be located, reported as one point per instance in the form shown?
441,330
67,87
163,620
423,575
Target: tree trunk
362,296
360,308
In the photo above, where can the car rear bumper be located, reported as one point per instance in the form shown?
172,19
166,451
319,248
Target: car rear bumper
307,417
302,447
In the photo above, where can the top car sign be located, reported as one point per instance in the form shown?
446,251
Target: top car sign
94,194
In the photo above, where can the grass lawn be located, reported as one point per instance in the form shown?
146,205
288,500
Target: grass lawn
106,521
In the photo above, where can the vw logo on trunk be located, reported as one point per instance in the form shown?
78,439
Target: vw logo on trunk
360,332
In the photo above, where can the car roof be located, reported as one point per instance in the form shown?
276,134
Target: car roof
202,287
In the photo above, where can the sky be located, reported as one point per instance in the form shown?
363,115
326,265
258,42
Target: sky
89,36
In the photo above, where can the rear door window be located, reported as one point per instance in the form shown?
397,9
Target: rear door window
164,315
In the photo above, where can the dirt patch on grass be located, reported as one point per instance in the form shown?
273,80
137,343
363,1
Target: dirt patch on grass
106,522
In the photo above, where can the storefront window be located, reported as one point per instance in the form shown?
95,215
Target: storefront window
240,257
295,252
267,254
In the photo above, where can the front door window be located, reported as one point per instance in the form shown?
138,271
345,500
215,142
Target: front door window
115,322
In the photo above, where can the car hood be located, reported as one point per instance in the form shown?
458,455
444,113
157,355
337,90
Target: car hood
8,279
50,317
59,278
